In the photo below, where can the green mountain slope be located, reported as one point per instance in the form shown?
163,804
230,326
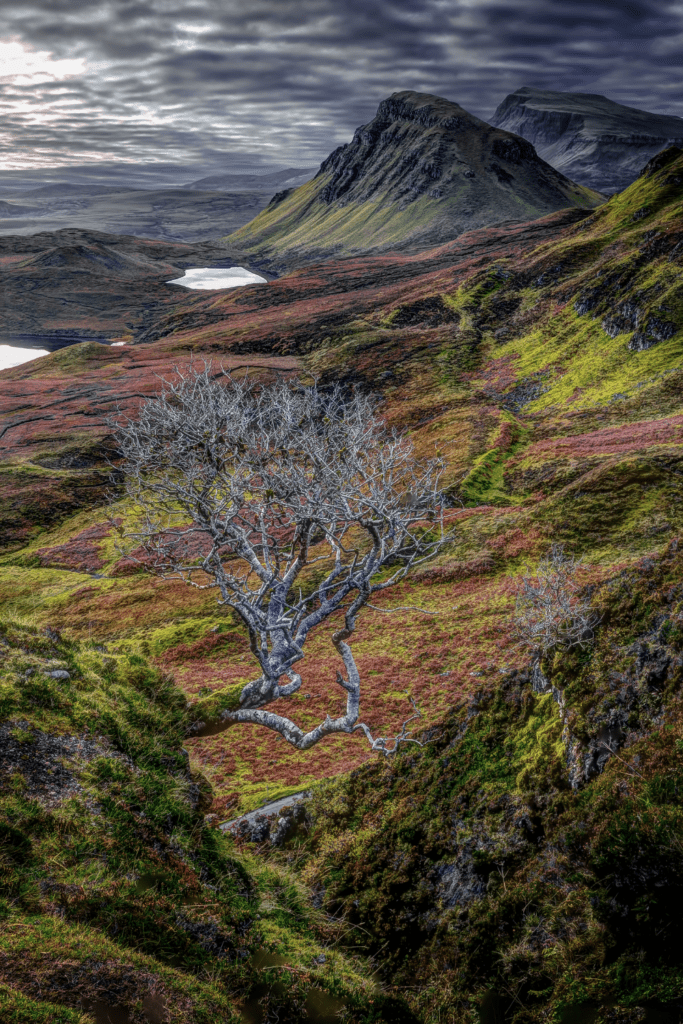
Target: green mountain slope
120,903
421,172
517,868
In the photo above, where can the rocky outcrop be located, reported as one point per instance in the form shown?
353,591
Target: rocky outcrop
422,172
422,145
594,141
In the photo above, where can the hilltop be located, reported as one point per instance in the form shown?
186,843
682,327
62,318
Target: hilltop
422,172
74,283
599,143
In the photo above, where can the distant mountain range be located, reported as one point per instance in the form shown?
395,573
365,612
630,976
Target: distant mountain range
185,214
594,141
198,211
290,177
423,171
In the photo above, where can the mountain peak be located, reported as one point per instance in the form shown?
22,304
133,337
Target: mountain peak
425,109
421,172
593,140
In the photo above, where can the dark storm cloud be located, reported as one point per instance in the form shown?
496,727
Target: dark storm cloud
217,82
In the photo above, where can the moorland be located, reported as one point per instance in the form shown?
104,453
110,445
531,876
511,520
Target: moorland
192,212
524,863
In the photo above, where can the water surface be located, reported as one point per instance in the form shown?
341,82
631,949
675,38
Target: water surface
217,277
11,355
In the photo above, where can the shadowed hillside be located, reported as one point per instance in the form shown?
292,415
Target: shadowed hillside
599,143
421,172
89,284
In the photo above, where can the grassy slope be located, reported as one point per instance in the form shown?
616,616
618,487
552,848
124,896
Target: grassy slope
592,457
300,224
113,887
485,878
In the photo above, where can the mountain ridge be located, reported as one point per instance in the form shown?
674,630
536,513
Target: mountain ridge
594,140
422,172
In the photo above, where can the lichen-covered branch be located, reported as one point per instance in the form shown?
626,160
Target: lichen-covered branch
550,613
296,504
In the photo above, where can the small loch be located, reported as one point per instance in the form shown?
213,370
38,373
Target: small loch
217,277
10,355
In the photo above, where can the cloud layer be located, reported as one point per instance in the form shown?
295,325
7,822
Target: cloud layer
224,84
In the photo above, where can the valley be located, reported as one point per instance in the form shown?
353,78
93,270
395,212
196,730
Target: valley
523,864
194,212
74,283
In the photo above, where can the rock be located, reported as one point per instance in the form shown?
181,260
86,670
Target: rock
458,883
200,793
49,764
601,144
59,673
293,820
207,935
254,830
654,331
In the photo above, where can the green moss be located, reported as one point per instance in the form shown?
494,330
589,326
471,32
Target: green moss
210,708
487,805
17,1008
539,748
120,877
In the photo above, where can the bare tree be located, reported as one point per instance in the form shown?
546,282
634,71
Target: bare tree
550,614
295,504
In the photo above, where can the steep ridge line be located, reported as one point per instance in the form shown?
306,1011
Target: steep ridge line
423,171
593,140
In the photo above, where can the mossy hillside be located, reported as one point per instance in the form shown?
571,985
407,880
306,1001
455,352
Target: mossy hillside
116,842
600,474
175,623
111,881
474,866
486,480
470,587
302,223
86,355
530,496
625,263
140,612
35,498
655,191
582,366
314,228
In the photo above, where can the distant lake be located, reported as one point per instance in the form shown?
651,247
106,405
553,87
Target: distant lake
11,355
215,277
20,348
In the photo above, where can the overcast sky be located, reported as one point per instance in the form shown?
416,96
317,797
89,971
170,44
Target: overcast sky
230,84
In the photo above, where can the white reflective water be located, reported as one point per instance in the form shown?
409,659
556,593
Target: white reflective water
217,277
11,356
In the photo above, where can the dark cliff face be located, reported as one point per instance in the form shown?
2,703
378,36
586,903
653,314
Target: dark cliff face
420,173
592,140
419,144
